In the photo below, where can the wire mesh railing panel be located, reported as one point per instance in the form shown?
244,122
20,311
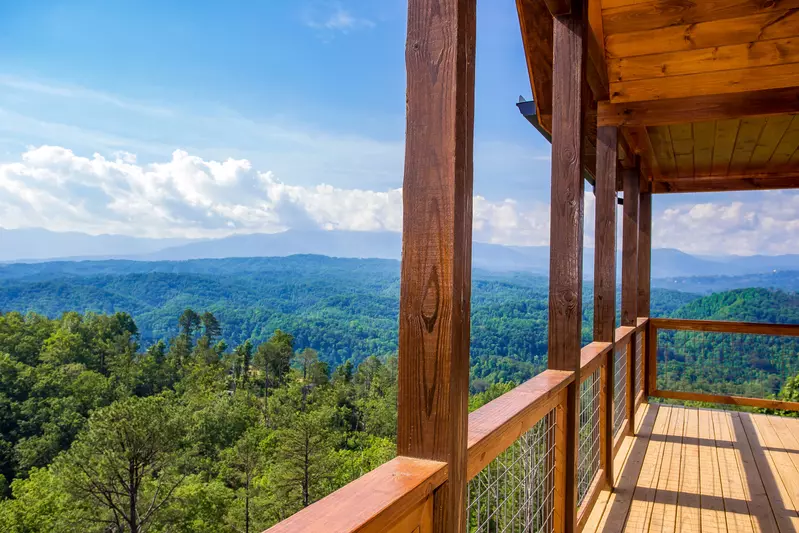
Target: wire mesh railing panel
515,493
619,388
639,362
588,447
733,364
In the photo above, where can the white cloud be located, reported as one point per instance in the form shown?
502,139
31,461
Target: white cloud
187,196
334,17
766,222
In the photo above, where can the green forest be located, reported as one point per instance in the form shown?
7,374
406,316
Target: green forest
232,393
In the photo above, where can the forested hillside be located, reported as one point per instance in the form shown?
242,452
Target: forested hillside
343,308
229,431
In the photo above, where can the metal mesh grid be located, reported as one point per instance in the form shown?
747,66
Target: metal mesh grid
620,388
515,492
588,448
639,362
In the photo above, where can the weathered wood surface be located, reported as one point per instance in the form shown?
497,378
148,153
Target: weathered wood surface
372,503
644,254
629,260
592,356
435,288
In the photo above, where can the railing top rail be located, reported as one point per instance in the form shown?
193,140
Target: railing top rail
720,326
372,502
497,425
623,334
641,322
591,358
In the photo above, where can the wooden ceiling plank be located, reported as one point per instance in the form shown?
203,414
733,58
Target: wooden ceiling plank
706,83
663,13
726,133
775,24
663,150
745,182
772,134
786,147
704,141
535,22
699,108
682,140
596,51
745,143
712,59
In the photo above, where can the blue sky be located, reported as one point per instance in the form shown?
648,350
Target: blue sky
305,97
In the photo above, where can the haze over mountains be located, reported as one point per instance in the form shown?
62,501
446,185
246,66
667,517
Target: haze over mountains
34,245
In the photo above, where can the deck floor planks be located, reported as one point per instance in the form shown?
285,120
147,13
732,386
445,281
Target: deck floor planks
644,495
783,467
759,506
628,458
712,516
704,470
786,517
664,507
689,502
735,505
788,453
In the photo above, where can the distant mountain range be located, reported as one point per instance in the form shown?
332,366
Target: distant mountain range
33,245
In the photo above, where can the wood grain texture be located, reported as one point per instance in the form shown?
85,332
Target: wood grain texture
497,425
723,326
651,374
776,23
435,287
606,451
714,59
629,260
706,83
566,229
605,231
592,356
664,13
644,255
623,333
536,27
699,108
372,503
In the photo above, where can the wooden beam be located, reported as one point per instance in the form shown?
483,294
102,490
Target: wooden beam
644,253
748,182
435,282
706,83
566,237
629,261
725,326
775,23
699,108
641,16
605,281
374,502
535,22
729,400
715,59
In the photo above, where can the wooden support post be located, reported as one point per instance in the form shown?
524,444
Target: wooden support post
566,233
644,253
629,259
435,288
629,277
605,283
645,280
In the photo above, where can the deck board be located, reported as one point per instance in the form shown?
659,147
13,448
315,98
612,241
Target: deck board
704,470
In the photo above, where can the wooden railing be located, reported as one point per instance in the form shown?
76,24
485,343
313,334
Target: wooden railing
721,327
515,462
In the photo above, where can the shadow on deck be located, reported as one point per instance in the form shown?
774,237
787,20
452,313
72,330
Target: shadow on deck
708,470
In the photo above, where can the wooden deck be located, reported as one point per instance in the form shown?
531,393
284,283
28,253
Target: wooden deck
703,470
